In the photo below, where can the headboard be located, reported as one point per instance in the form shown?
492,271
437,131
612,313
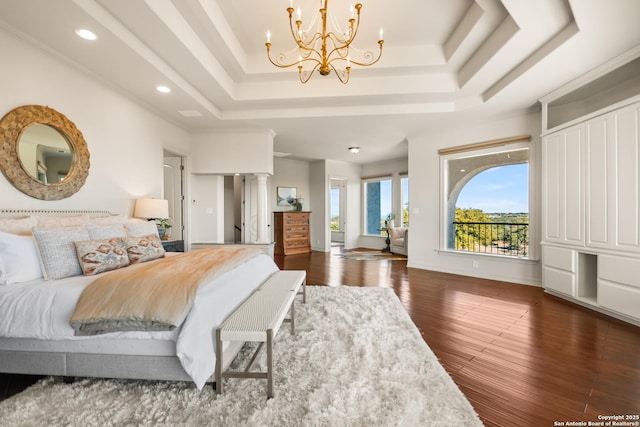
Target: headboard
19,213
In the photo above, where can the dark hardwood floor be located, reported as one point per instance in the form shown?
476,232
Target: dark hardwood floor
522,357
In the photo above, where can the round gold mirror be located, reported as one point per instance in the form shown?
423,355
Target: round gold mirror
43,154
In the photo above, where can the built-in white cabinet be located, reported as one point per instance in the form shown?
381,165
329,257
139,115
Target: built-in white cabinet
591,212
563,181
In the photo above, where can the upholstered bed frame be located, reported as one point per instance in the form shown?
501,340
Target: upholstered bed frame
98,357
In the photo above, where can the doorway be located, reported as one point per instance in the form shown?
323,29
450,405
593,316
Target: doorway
173,173
337,200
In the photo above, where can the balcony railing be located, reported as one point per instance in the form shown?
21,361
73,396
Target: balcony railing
500,238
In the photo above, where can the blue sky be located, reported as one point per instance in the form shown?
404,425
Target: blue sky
497,190
502,189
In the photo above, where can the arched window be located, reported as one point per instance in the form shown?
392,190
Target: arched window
486,201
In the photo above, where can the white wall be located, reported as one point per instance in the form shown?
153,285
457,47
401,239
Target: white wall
319,190
125,140
424,196
230,152
289,173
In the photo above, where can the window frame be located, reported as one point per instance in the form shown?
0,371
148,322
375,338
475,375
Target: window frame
402,177
470,152
365,181
340,208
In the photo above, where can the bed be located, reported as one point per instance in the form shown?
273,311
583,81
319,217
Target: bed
36,336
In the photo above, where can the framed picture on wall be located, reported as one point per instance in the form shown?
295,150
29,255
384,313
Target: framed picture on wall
287,196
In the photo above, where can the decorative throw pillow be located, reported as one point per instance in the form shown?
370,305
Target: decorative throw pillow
97,256
141,229
143,249
62,221
20,226
110,220
57,252
18,259
100,232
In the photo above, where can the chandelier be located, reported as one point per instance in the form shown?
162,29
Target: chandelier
321,48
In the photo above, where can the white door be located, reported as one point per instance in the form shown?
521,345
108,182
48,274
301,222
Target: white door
250,208
174,193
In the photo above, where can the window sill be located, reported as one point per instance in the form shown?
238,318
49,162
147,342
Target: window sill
492,256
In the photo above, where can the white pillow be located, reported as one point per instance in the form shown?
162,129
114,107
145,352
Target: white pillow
141,229
18,225
57,252
110,220
18,259
62,221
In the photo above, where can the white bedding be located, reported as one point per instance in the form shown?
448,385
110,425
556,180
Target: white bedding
42,309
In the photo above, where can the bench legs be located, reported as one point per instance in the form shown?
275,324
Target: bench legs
246,373
269,363
219,364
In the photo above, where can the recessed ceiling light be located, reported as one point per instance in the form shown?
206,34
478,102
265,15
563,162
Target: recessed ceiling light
86,34
354,150
163,89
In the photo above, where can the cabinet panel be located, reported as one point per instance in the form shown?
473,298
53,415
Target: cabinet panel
551,187
619,298
559,280
620,270
563,177
597,182
619,284
560,258
573,205
627,180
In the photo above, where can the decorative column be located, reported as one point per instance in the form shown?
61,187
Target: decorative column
262,210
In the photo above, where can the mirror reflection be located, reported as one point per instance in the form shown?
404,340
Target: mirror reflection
45,153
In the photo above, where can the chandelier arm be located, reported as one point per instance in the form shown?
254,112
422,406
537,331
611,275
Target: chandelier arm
367,54
294,31
344,76
336,40
280,64
306,75
308,45
337,50
355,31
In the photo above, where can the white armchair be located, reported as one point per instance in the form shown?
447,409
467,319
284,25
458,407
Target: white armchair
399,239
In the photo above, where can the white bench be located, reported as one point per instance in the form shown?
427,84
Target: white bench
258,319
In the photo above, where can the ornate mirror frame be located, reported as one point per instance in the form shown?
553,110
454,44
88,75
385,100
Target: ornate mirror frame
13,124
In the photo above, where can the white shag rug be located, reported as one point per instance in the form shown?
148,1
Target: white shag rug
356,359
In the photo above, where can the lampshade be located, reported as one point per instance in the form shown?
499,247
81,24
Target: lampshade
151,208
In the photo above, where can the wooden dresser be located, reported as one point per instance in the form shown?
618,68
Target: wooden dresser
291,232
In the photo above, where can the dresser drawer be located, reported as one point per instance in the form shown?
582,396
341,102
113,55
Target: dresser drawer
293,229
297,243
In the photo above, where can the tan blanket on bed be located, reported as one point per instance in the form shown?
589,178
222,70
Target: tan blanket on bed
152,296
